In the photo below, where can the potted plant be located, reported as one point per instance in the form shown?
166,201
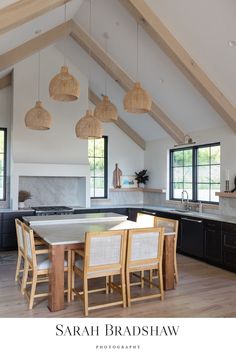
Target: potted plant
23,196
141,177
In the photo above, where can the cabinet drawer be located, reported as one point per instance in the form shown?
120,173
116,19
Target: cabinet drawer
229,228
229,240
213,225
230,259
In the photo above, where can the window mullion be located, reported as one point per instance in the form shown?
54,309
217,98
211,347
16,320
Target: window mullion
195,171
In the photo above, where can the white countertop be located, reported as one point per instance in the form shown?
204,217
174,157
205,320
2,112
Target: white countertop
73,218
75,233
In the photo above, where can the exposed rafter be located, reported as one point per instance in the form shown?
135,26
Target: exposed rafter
6,81
122,78
120,123
28,48
25,10
167,42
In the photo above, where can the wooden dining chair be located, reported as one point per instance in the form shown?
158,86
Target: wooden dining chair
144,253
37,262
145,220
21,253
170,226
103,256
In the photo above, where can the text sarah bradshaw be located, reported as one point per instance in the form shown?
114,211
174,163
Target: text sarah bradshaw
112,330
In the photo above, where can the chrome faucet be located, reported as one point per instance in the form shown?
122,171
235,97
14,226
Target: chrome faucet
186,202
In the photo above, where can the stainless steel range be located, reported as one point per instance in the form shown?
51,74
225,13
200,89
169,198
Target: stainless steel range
53,210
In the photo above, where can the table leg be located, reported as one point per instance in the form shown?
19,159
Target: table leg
56,278
168,263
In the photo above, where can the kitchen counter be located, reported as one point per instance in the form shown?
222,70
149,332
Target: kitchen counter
74,218
171,210
209,216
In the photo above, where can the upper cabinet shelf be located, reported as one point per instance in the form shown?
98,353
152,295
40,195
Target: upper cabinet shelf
151,190
226,195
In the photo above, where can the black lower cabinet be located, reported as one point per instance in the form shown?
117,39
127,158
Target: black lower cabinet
213,242
8,239
85,211
229,246
192,237
132,213
122,211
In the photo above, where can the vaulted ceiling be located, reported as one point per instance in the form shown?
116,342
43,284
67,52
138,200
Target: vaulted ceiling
202,28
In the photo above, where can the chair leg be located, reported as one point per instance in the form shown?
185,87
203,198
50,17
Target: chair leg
150,277
128,288
161,281
33,290
142,280
122,277
18,266
111,279
176,269
69,276
85,281
107,284
25,276
72,276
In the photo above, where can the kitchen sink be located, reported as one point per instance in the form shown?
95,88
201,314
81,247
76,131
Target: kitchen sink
182,211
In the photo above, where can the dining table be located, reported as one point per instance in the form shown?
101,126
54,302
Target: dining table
71,236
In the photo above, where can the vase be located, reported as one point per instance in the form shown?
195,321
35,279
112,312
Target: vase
21,205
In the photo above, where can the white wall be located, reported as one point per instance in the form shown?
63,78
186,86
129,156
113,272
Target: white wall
122,150
59,144
5,122
157,152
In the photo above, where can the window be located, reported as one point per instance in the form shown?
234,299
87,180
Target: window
196,170
97,153
3,154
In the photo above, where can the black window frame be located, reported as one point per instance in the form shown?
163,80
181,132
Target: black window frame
4,130
105,170
195,165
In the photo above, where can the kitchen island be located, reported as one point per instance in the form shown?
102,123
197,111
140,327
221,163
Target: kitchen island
73,218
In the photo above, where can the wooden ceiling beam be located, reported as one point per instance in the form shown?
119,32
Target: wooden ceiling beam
6,81
121,124
122,78
32,46
24,11
167,42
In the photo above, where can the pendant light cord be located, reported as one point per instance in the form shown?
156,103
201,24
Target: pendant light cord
137,67
65,35
106,50
90,34
39,62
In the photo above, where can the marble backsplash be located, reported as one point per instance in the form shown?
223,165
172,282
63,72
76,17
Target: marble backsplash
120,198
227,206
51,190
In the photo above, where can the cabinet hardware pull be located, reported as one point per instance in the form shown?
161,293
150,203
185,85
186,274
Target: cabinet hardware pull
148,213
192,220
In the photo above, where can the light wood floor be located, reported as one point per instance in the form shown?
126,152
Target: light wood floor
203,291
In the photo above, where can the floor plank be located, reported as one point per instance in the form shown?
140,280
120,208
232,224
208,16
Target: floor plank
203,291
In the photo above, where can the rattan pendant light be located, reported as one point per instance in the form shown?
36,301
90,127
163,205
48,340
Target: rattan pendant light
106,111
89,127
137,100
64,86
38,118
